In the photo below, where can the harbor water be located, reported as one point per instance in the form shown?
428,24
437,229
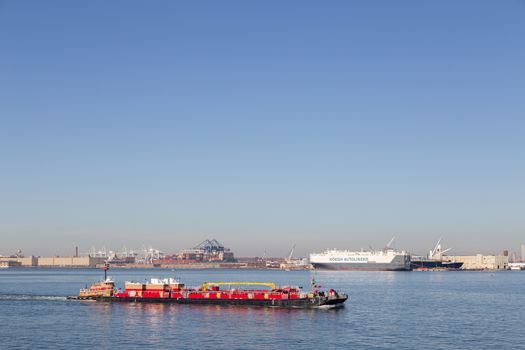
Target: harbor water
386,310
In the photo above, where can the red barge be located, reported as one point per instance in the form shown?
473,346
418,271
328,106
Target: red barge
172,291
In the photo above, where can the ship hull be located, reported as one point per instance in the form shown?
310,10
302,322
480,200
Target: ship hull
435,264
360,267
397,263
309,303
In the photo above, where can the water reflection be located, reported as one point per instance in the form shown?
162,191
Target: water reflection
385,310
156,319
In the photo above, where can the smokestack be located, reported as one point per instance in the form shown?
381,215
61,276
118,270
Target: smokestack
76,251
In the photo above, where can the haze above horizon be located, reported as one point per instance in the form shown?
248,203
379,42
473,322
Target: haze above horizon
262,124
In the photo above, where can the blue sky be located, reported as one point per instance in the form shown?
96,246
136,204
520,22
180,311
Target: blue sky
262,124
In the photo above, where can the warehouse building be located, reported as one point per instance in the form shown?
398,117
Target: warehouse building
69,261
481,262
19,260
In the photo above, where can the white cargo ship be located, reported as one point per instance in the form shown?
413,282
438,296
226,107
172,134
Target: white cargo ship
387,259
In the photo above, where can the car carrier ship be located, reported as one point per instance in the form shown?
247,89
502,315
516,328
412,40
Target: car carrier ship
387,259
172,291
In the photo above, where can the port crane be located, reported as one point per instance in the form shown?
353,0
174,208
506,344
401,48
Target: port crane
389,244
437,252
289,258
210,246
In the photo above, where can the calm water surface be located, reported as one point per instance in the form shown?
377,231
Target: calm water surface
386,310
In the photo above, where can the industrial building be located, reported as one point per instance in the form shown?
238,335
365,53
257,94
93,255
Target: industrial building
481,262
19,260
9,263
54,261
70,261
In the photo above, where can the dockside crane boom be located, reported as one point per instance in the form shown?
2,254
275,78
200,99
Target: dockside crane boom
389,244
289,258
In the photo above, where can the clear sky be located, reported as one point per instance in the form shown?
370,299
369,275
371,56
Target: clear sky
262,124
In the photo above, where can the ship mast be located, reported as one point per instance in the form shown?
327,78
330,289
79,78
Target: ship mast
106,268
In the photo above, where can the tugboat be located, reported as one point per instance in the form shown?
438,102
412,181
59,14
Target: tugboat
172,291
105,288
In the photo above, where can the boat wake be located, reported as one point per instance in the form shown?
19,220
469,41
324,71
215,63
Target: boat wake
330,307
29,297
